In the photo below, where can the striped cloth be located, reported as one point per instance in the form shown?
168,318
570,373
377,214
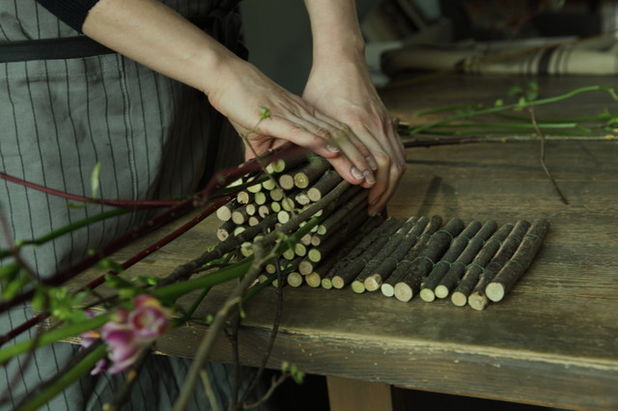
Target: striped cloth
541,56
154,138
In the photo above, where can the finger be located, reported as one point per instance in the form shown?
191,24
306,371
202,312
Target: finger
287,130
396,143
393,182
360,146
342,139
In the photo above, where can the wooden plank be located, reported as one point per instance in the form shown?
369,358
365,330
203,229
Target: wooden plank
345,394
551,342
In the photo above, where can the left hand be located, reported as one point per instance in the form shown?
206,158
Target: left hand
343,90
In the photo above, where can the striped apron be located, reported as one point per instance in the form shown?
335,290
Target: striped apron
154,138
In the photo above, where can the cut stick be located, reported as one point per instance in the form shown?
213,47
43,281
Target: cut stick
300,250
240,215
250,208
244,197
224,213
260,198
305,267
341,218
326,283
288,204
512,271
283,217
306,239
276,166
225,230
477,299
269,184
294,161
253,221
255,188
388,286
295,279
329,243
263,211
316,167
377,239
302,198
326,183
286,181
275,206
441,267
276,194
386,267
313,280
474,269
358,285
289,254
239,229
456,270
422,265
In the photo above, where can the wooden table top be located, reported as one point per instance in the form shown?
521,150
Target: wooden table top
552,341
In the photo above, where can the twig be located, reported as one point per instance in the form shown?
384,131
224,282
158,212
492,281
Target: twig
210,393
542,155
273,336
219,321
273,386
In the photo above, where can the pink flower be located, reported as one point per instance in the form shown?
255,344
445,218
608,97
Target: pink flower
130,333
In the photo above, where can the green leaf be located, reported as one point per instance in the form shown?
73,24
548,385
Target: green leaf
95,180
264,113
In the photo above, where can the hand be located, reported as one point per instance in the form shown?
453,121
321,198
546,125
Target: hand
343,90
242,92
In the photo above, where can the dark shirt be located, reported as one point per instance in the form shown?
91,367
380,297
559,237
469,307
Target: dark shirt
72,12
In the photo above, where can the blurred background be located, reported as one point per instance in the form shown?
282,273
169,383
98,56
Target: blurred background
407,37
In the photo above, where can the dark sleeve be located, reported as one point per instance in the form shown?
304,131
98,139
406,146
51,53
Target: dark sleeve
72,12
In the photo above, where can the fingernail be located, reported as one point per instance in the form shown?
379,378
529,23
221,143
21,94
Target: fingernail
369,178
372,163
356,173
333,149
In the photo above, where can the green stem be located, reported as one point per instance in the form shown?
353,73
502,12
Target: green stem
519,105
600,117
54,336
442,109
72,375
67,229
512,125
483,131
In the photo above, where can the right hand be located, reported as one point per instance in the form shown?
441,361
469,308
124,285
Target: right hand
242,90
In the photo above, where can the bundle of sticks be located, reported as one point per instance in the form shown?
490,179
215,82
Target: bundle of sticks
472,264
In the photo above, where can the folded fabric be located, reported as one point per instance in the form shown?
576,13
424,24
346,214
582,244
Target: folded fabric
599,57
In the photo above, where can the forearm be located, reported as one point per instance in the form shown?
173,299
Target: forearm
152,34
336,31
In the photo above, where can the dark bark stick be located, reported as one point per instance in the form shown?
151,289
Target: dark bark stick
422,265
349,267
478,300
442,266
326,183
358,285
474,269
388,286
456,270
519,263
311,172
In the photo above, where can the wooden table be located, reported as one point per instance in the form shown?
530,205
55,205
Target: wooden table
553,341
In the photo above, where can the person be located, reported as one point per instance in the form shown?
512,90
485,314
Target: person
150,113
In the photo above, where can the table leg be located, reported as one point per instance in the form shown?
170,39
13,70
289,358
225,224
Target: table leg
345,394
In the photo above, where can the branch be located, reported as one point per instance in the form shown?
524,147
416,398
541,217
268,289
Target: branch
542,156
